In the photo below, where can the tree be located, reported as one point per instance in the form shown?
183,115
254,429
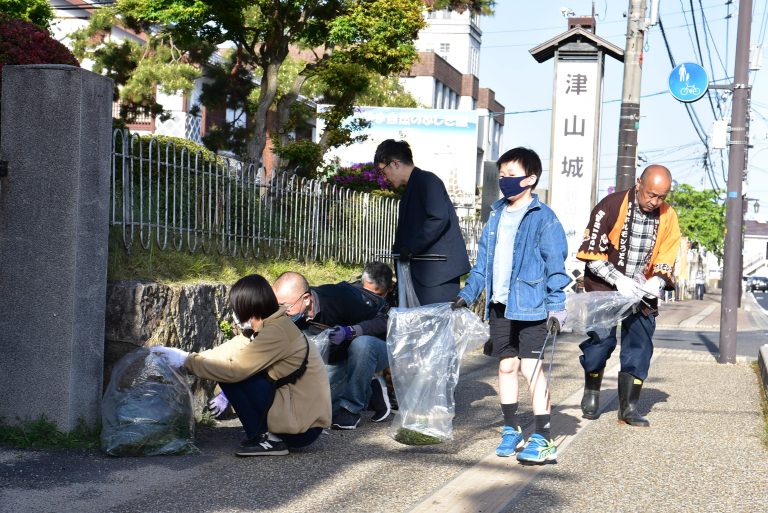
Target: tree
484,7
38,12
136,69
345,39
701,215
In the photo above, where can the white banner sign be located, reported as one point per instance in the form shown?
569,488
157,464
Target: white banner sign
575,132
443,141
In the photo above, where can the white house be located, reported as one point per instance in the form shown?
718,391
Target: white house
755,249
72,15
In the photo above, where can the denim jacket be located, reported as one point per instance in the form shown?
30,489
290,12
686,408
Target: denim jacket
538,267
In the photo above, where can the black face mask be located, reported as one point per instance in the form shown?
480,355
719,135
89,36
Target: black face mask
510,185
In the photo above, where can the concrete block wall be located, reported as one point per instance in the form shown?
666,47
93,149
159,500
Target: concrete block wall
54,205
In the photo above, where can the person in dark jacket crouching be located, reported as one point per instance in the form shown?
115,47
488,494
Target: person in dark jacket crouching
358,351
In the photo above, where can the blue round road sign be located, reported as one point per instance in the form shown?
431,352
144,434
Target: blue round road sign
688,82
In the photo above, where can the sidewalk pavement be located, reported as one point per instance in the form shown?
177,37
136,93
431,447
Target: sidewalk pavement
704,315
702,453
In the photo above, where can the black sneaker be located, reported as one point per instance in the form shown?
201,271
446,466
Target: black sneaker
379,400
345,419
262,446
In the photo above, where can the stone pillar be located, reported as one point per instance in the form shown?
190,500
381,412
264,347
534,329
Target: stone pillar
54,207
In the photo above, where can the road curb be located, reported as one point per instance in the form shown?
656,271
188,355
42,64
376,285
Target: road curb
762,362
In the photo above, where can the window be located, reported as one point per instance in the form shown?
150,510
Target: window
445,48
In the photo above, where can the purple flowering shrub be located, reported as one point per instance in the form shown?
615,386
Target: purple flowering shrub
365,177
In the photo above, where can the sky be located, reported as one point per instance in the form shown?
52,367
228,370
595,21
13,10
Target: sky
666,134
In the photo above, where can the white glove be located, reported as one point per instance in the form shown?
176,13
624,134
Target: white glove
174,357
218,404
653,286
628,287
556,320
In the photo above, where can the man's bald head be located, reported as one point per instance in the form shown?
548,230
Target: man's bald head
653,186
292,292
656,172
291,281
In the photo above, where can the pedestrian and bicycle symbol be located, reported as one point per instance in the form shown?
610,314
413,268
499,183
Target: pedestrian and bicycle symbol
688,82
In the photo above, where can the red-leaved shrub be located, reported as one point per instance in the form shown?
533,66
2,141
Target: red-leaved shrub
22,42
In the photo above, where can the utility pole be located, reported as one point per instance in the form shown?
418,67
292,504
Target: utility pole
736,169
629,120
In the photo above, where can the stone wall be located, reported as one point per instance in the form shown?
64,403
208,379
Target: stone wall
143,314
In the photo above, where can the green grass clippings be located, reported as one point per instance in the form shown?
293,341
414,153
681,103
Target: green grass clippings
412,437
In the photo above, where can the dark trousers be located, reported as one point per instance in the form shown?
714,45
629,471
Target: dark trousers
699,291
252,398
443,293
636,346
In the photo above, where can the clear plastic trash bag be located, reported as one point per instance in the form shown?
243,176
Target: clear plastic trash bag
322,343
425,346
597,311
147,409
406,296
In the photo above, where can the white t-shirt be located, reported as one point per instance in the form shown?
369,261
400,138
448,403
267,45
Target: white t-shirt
504,251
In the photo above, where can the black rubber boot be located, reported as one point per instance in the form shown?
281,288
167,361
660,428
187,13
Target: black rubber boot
590,403
629,394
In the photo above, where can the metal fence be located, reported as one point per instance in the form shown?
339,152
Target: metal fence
174,198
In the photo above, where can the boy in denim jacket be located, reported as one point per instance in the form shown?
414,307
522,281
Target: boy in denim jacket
521,265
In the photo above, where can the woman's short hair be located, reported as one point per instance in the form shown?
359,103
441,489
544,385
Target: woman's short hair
252,296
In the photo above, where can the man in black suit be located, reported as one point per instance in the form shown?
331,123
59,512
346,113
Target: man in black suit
427,224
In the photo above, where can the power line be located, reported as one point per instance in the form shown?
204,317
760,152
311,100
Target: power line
548,109
701,56
708,31
687,106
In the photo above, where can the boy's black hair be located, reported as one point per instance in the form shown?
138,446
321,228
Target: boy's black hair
527,158
252,296
390,150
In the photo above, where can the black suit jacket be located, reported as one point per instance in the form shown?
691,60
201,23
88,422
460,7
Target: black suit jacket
427,223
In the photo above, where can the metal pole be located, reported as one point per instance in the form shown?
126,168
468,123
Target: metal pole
629,118
736,169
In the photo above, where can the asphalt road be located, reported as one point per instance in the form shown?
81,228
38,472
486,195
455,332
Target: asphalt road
747,343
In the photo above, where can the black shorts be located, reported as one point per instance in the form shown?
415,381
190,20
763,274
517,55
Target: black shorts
511,339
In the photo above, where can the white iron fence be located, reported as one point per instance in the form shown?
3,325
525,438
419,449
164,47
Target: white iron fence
174,198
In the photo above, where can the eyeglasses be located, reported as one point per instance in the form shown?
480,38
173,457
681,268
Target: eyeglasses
387,165
289,306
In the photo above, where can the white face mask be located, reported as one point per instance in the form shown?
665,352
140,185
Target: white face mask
243,325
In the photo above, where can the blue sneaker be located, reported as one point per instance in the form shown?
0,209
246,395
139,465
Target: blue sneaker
511,440
538,450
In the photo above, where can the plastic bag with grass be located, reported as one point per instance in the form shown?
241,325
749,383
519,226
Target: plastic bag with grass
147,409
597,311
425,346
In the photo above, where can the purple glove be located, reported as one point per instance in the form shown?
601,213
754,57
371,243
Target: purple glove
341,333
218,404
556,320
